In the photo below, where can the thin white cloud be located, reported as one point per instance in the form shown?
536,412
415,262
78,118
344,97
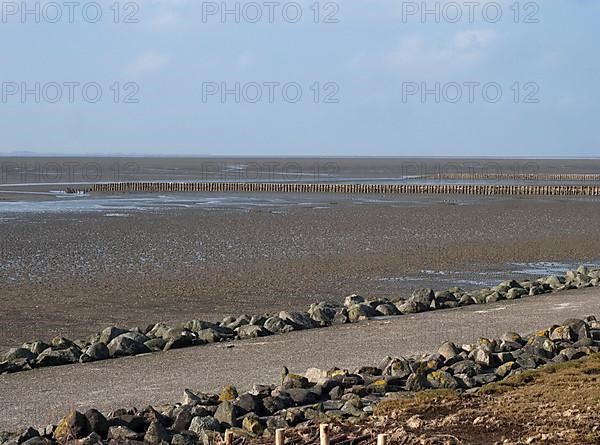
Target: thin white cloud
475,39
166,13
417,55
146,63
246,60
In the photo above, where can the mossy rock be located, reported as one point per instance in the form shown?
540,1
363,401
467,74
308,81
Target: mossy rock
73,426
441,379
228,394
253,425
378,386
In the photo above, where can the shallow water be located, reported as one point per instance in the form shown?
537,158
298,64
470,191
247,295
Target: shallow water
112,204
470,280
145,203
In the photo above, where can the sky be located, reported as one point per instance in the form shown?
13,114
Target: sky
345,78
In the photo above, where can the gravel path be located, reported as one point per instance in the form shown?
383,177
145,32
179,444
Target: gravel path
42,396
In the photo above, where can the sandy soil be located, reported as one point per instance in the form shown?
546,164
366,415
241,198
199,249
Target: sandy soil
72,274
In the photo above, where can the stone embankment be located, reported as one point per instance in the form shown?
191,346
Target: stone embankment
320,396
114,342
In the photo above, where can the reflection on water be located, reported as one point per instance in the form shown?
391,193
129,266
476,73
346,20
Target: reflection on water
470,280
115,205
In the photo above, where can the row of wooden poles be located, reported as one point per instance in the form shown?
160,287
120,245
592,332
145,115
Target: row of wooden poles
516,177
459,189
324,436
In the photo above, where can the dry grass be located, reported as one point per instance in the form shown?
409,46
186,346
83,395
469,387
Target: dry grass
556,405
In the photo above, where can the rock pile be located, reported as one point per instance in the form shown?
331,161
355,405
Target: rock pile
321,395
114,342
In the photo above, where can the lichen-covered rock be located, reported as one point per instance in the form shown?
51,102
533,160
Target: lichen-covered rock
511,337
526,361
505,369
275,404
484,379
387,309
442,298
516,293
537,290
562,333
108,334
156,434
253,425
323,313
242,320
227,413
441,379
216,335
314,375
199,325
466,367
484,358
228,393
554,282
73,426
185,438
412,307
298,320
52,357
361,311
448,350
122,346
122,434
182,340
295,381
251,331
341,316
278,326
423,296
193,399
417,382
19,353
302,396
495,297
379,386
400,368
182,417
97,422
209,423
351,300
156,344
96,352
37,347
249,403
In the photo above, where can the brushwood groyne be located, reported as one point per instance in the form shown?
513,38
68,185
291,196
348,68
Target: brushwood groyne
268,187
529,177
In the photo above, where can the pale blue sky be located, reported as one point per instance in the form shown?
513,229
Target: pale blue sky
367,58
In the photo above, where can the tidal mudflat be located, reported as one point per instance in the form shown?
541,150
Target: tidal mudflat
75,266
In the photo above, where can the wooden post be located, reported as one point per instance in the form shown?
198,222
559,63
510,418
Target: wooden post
324,429
228,438
279,436
382,439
